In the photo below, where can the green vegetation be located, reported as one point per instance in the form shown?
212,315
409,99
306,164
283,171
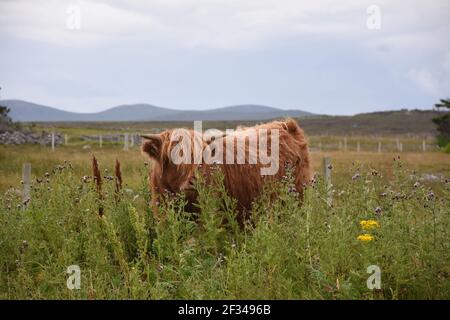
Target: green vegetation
443,126
5,120
289,251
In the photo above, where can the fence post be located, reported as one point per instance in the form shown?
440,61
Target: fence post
345,143
132,141
100,141
125,145
400,147
53,141
424,145
379,146
66,139
320,145
358,147
26,179
327,179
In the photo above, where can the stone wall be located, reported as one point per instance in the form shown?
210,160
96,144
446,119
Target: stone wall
23,137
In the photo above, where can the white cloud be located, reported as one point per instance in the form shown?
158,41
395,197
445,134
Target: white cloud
47,21
221,24
425,80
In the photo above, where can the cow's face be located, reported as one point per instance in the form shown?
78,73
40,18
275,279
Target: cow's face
172,174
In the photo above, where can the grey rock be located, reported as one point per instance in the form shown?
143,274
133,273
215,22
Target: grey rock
429,177
28,137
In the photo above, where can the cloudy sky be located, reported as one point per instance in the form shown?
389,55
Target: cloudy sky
328,56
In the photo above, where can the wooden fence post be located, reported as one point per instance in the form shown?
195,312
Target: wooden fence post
100,141
327,179
320,145
424,145
125,145
345,143
26,179
53,141
379,146
358,147
66,139
132,141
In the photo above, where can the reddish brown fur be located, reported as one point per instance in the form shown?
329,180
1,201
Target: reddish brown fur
118,179
243,182
98,182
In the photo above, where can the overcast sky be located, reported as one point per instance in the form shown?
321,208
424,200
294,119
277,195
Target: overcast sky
336,57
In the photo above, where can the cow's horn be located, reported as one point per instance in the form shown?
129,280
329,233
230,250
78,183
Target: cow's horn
150,136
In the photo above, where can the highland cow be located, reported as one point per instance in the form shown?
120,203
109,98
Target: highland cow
177,154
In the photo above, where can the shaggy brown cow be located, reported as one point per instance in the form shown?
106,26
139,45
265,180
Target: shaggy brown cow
241,167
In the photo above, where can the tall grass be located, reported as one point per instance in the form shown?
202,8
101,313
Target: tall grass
286,251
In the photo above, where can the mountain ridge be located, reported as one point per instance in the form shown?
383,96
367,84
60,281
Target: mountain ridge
25,111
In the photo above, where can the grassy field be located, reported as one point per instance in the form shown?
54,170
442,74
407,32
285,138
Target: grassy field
291,251
44,160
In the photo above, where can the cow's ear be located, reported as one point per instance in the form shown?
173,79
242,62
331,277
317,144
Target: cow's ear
152,145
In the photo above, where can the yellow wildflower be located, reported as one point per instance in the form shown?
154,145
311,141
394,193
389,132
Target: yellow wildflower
369,224
365,237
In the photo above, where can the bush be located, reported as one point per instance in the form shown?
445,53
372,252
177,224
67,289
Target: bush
443,123
447,148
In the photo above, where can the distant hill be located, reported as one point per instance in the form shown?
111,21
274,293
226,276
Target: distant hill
30,112
398,122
